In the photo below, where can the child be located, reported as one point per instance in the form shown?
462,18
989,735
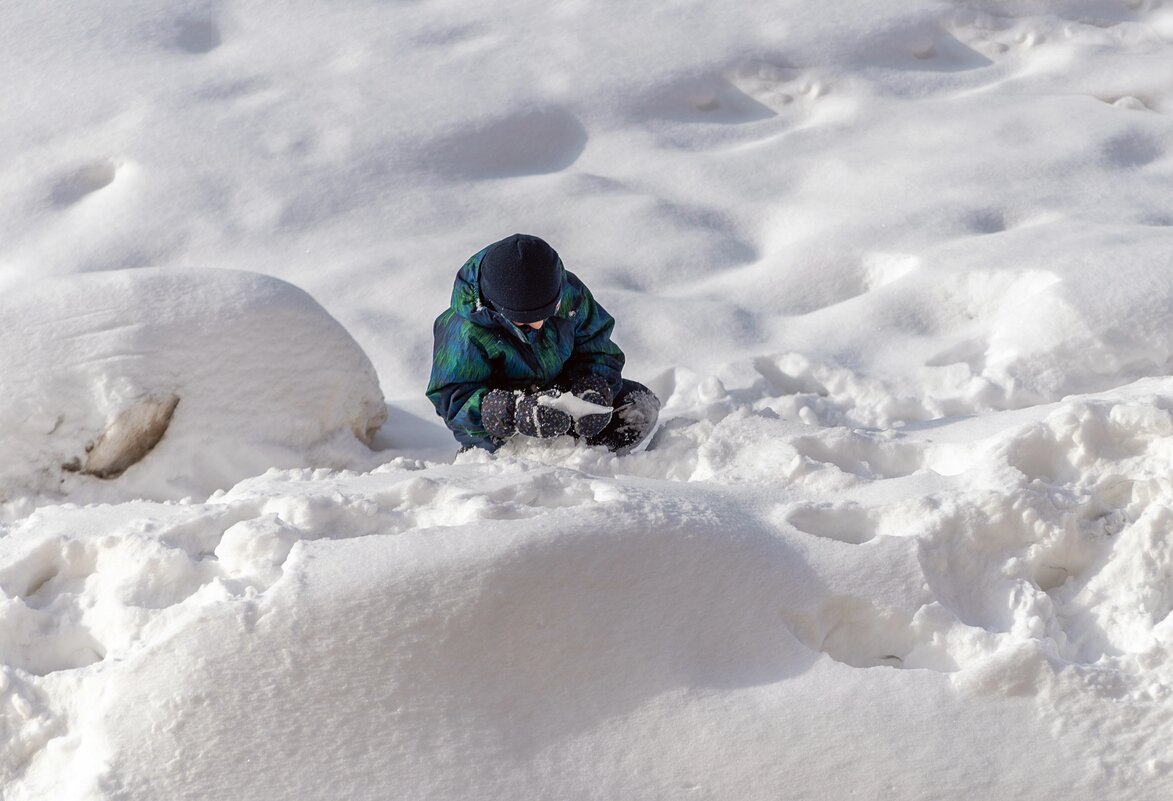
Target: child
520,332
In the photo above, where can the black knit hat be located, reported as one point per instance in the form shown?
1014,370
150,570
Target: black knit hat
521,277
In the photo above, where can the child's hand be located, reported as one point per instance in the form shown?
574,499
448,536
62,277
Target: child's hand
594,389
536,420
497,410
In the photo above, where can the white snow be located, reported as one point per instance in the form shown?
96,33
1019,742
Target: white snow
899,272
573,405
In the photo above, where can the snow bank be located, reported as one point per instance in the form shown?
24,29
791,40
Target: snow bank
543,622
164,384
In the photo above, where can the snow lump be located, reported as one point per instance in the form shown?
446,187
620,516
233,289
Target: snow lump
165,384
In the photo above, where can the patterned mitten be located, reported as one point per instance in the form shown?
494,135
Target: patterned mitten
594,389
536,420
497,409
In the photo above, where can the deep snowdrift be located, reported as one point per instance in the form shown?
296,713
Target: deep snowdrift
546,618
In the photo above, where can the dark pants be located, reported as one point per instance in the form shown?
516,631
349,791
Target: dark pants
636,411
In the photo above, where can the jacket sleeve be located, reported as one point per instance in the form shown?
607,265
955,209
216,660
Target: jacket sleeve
459,382
594,352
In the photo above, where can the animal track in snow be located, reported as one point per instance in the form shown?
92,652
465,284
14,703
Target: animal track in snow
777,86
85,180
924,47
996,35
747,102
706,99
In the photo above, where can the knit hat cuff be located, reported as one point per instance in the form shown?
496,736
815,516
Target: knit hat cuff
530,315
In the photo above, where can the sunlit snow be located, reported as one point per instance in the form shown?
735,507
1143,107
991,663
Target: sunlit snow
899,270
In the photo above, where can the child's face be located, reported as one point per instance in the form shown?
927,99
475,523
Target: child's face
535,326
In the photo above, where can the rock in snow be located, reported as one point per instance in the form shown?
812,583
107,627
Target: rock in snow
129,438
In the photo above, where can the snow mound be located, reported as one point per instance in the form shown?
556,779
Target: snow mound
165,384
549,608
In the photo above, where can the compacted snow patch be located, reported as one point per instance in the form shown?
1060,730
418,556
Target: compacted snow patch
164,384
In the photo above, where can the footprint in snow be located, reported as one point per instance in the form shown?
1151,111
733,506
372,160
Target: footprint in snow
986,221
861,454
85,180
863,634
532,142
197,36
850,524
1131,150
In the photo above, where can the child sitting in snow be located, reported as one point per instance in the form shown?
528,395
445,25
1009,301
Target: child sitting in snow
523,346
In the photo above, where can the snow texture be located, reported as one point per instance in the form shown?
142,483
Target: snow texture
573,405
898,270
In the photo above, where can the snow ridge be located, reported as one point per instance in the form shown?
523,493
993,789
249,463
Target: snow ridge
1032,568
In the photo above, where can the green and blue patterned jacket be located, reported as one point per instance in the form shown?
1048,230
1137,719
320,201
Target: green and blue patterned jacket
477,349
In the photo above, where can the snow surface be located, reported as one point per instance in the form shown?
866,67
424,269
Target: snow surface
573,405
900,272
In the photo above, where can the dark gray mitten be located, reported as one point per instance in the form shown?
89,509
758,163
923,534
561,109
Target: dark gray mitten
535,420
497,408
593,389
